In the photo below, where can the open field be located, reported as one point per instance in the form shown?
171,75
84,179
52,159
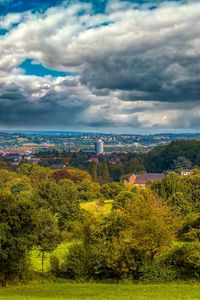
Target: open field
96,209
61,291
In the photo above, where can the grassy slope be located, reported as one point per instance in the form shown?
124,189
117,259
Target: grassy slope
61,291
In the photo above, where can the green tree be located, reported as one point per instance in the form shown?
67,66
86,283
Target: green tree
140,230
17,236
61,198
111,190
94,170
48,233
182,163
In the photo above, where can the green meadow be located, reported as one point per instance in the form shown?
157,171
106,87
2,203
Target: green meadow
61,291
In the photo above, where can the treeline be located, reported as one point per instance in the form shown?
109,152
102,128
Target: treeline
150,234
178,154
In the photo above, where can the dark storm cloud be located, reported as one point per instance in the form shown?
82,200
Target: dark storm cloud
159,75
19,108
138,66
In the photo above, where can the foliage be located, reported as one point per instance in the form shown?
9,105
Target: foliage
61,198
88,190
186,260
17,236
111,190
48,236
163,158
131,235
118,244
190,230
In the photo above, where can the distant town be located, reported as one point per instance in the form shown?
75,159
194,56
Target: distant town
80,150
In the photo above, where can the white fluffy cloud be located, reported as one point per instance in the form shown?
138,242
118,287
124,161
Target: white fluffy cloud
138,65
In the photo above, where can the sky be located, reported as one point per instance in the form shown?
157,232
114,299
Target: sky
106,66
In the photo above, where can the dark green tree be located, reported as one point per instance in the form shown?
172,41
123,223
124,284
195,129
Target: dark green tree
94,170
18,231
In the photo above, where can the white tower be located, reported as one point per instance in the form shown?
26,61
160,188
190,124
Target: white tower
99,146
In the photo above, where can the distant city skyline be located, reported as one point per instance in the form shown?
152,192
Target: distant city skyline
110,66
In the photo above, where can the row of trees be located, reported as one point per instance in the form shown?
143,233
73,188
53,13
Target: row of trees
150,234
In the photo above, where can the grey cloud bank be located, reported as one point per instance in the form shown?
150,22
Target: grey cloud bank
138,68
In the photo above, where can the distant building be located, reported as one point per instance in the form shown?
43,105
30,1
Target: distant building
186,172
93,159
143,179
99,146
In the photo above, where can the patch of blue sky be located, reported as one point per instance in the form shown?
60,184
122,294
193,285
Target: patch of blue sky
103,24
33,68
9,6
3,31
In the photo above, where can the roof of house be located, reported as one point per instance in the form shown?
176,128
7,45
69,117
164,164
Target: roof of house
147,177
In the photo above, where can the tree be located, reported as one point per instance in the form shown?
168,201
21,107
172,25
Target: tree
88,190
48,233
116,171
60,175
171,184
94,170
17,236
186,260
138,231
182,192
35,173
61,198
104,176
111,190
124,198
79,175
182,163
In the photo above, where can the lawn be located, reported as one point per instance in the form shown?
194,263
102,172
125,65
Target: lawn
61,291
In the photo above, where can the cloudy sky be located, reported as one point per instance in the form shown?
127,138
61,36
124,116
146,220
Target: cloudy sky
106,65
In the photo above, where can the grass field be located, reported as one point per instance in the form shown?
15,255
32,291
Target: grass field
61,291
96,209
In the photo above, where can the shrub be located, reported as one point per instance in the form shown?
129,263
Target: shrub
186,260
82,261
55,265
157,272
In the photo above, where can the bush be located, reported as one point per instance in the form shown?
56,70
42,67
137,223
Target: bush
186,260
85,261
55,266
157,272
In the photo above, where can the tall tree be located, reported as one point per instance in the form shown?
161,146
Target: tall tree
17,236
94,170
48,233
105,173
